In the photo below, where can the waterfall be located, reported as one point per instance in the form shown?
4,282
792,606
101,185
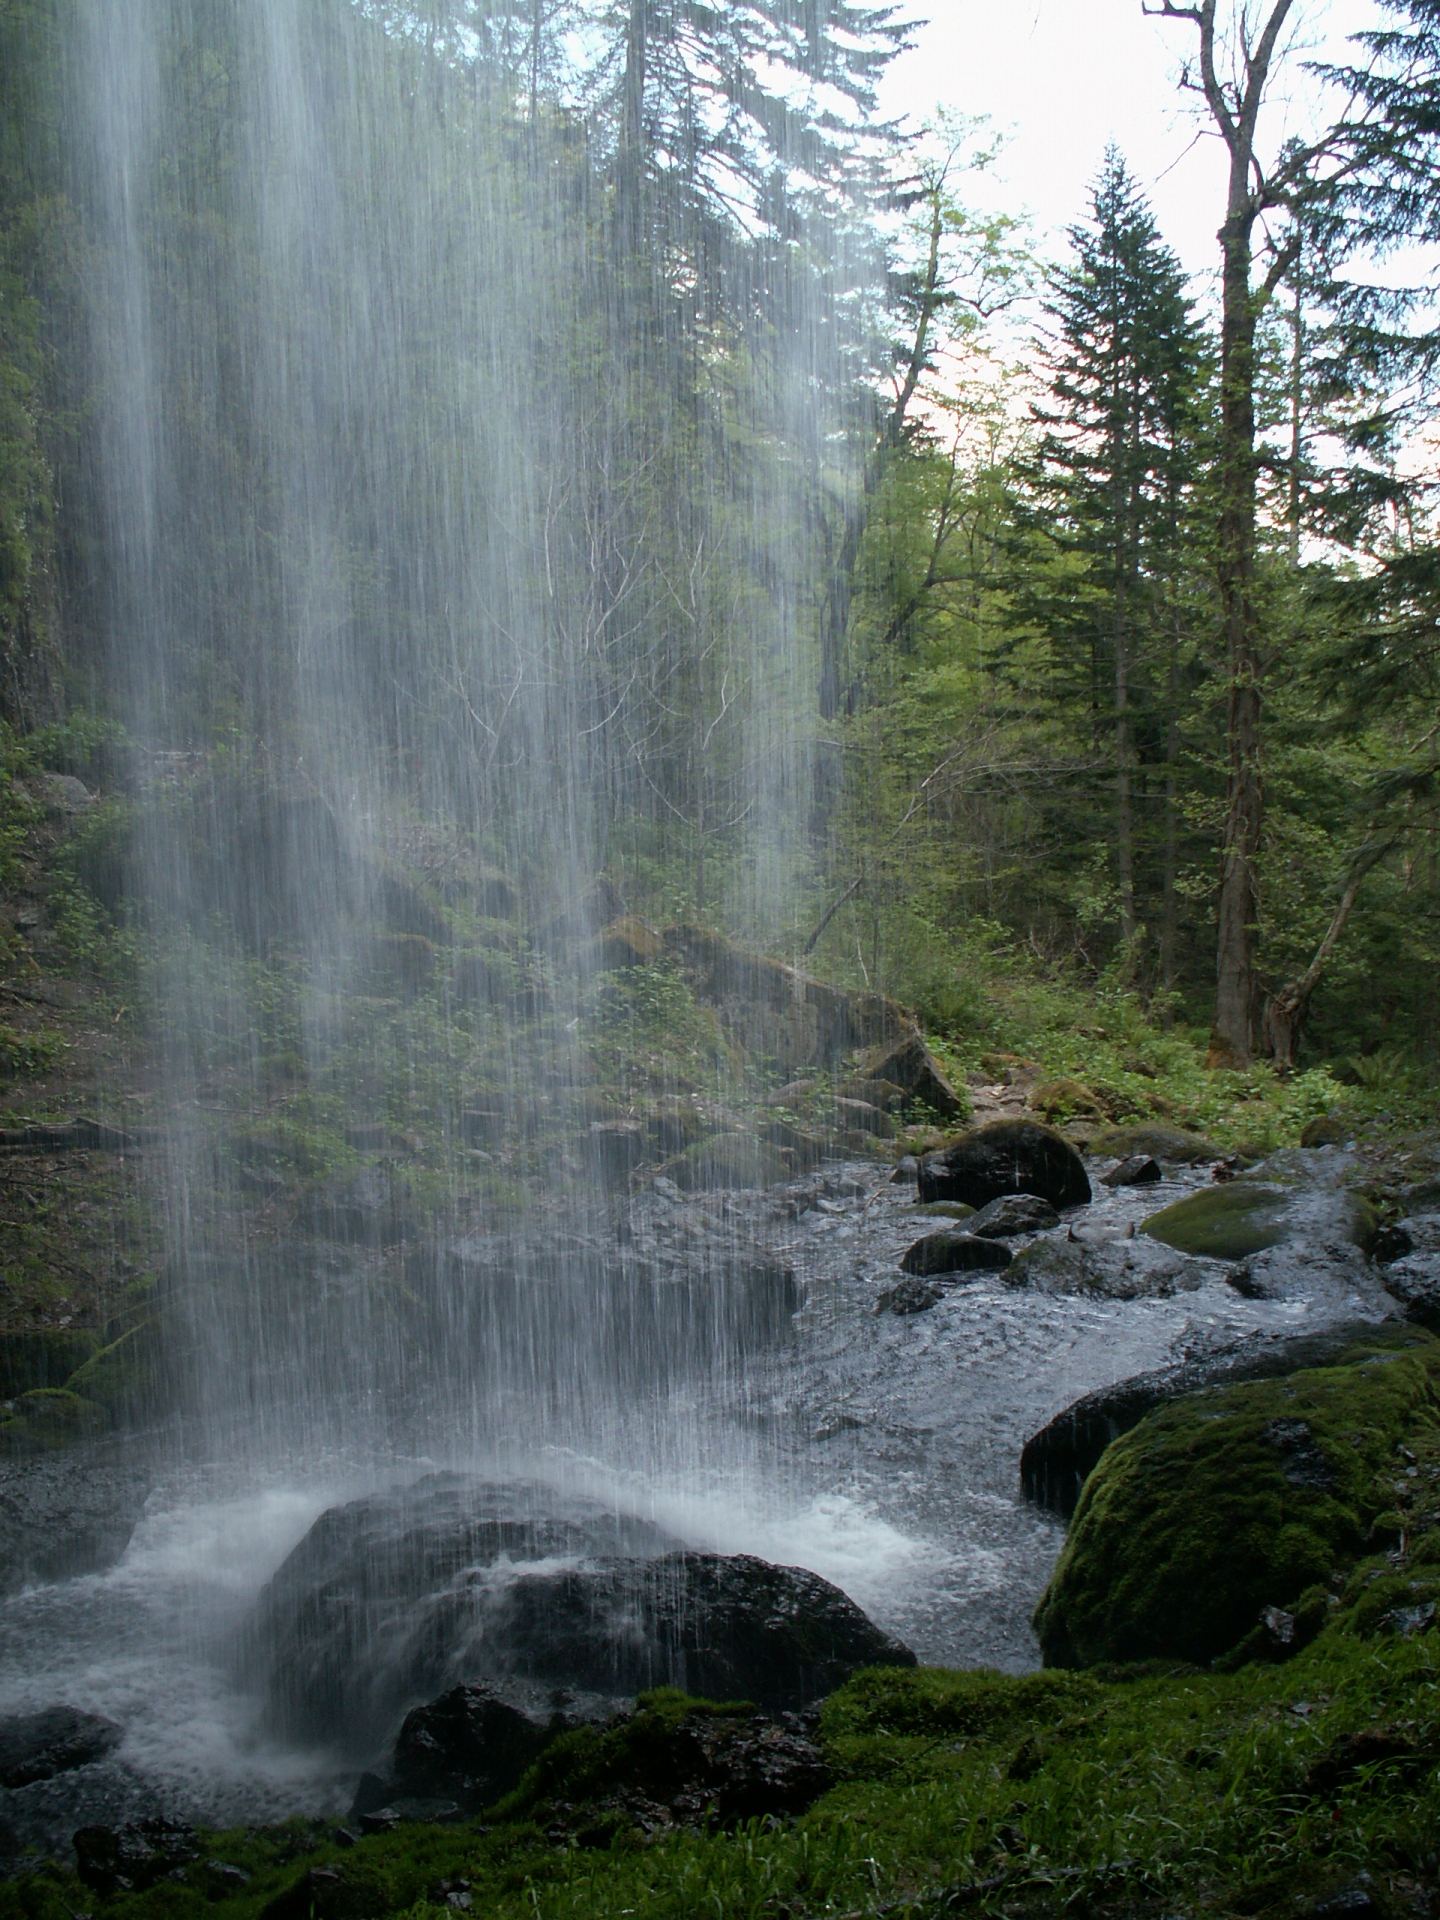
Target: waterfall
455,581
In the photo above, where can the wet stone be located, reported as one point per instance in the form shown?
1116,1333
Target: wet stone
1008,1156
915,1296
131,1858
1136,1170
37,1746
1013,1215
955,1253
390,1596
469,1744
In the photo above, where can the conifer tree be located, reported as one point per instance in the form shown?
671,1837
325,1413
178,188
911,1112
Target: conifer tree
1110,484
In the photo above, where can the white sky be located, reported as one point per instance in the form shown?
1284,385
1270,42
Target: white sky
1064,77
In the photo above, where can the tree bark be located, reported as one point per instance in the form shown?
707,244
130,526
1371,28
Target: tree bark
1234,105
1235,571
630,160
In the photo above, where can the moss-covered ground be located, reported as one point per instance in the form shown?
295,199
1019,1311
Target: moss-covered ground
1168,1792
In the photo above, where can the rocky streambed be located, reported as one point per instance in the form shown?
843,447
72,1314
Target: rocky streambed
844,1417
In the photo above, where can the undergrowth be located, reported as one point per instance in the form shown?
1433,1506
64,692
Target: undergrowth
1174,1791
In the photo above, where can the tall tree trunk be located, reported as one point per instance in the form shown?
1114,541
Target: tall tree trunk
835,620
1172,837
630,160
1124,793
1233,79
1235,576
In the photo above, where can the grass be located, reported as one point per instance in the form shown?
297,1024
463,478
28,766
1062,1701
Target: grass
1175,1791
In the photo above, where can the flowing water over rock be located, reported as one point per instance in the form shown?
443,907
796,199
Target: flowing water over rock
879,1450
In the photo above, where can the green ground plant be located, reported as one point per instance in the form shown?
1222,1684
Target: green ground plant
1110,1792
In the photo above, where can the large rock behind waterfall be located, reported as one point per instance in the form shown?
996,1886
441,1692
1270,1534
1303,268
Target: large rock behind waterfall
1232,1501
1008,1156
778,1013
68,1512
456,1579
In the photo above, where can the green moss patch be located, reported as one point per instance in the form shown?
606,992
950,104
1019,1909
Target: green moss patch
1226,1223
128,1377
728,1160
41,1359
1227,1502
1264,1792
1232,1221
1161,1142
50,1417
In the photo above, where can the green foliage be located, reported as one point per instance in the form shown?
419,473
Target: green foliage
49,1417
644,1026
29,1056
1260,1792
1228,1501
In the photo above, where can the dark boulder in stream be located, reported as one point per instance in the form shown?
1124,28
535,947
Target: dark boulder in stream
1008,1156
955,1253
1012,1216
456,1579
37,1746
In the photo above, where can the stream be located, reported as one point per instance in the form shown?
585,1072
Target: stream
878,1450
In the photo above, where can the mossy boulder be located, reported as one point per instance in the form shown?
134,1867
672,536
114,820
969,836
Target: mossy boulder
735,1160
1065,1099
50,1417
1222,1504
804,1149
673,1760
1161,1143
128,1378
1243,1217
630,942
907,1062
1331,1129
43,1358
776,1013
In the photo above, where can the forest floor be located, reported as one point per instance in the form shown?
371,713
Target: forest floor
1309,1789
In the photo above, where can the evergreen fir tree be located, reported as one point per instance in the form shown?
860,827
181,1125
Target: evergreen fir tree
1108,491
